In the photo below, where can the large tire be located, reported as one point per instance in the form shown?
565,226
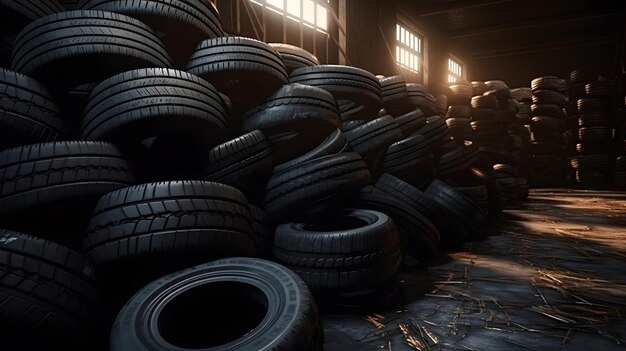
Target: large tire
244,162
333,144
181,24
262,232
458,207
359,87
15,16
295,119
405,159
75,47
59,174
236,65
230,304
47,290
314,185
27,113
160,227
294,57
395,96
139,104
411,122
346,250
372,139
422,236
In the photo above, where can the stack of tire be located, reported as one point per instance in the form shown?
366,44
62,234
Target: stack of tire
459,113
497,134
548,148
523,96
595,161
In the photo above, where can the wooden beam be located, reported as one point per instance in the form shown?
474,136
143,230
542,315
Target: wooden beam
438,8
513,51
533,23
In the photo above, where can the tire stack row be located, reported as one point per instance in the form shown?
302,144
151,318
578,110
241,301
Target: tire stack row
459,113
548,149
523,96
595,158
187,158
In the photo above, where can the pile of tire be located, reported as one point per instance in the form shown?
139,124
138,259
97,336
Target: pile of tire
523,96
151,188
459,112
548,124
595,159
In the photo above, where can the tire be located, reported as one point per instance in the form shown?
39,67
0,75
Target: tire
395,96
459,111
484,102
139,104
47,290
262,232
346,250
314,185
544,123
245,163
435,131
549,97
422,236
458,206
349,125
601,88
405,159
405,192
411,122
583,75
451,162
181,24
50,175
76,47
236,65
371,140
595,147
549,83
599,162
16,15
549,110
345,83
598,119
237,294
295,119
335,143
27,113
160,227
294,57
591,105
593,134
477,194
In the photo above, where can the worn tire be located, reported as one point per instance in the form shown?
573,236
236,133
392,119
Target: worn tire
335,143
47,290
135,105
265,304
411,122
372,139
28,114
75,47
61,173
159,227
295,119
181,24
346,250
294,57
314,185
236,65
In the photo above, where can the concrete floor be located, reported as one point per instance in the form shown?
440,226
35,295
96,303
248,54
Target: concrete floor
550,276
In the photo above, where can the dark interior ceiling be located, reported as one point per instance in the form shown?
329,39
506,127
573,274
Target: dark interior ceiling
517,40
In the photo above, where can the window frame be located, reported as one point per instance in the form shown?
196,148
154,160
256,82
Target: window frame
317,7
412,48
454,77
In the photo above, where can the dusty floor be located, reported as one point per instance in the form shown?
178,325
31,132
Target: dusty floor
550,276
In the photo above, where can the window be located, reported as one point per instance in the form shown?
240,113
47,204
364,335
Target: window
455,70
409,49
311,13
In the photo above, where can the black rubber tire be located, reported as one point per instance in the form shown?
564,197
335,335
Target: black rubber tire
28,114
591,105
485,102
294,57
295,119
411,122
333,144
595,147
60,173
549,83
583,75
181,24
237,288
355,85
404,159
550,110
395,96
422,236
262,232
597,119
47,291
139,104
479,195
160,227
236,65
459,111
593,134
458,206
339,251
245,162
372,139
349,125
76,47
545,123
405,192
15,16
601,88
314,185
549,97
